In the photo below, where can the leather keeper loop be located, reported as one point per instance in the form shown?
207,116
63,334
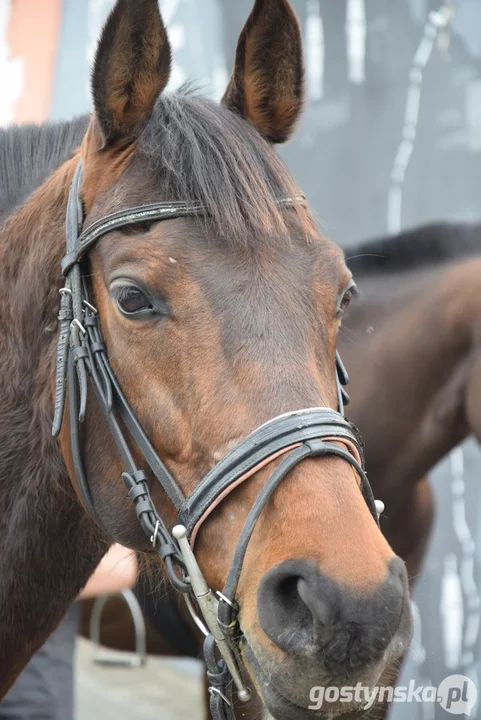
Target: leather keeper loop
143,506
168,550
80,353
136,492
97,347
139,476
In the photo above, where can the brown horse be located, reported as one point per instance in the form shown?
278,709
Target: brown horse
414,335
213,325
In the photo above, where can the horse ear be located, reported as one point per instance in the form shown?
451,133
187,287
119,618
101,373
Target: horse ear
132,66
266,86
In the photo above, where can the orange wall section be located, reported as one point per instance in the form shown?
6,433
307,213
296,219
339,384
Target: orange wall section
33,35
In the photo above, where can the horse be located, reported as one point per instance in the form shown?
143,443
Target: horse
169,317
414,332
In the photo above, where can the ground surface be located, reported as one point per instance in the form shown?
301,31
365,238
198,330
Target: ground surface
163,690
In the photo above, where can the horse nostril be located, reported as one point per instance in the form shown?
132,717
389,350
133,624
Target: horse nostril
295,612
283,614
303,611
320,609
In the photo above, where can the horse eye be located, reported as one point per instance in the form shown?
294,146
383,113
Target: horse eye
346,299
349,294
132,301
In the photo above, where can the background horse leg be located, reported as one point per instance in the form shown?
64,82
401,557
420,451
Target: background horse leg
407,524
472,397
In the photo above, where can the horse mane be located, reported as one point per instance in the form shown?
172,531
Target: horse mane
30,153
199,150
417,247
202,151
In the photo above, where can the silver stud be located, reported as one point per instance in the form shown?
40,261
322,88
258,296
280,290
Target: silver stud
379,507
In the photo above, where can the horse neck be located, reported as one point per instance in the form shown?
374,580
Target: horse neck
48,547
408,368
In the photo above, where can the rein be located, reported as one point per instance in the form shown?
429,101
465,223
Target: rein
295,436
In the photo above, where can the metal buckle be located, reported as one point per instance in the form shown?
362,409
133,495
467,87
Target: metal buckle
79,325
153,538
225,599
90,307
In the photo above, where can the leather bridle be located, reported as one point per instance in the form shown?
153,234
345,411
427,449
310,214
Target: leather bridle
295,436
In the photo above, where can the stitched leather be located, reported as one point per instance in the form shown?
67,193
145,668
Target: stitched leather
65,317
145,213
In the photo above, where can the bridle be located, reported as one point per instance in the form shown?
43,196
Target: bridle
295,436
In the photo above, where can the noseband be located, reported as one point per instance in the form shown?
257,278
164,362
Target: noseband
293,437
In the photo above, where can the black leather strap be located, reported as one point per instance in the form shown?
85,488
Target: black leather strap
75,443
154,212
159,469
342,381
220,683
65,317
123,218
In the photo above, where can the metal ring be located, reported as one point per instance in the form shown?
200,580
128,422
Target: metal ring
233,605
216,691
91,307
65,291
78,324
153,538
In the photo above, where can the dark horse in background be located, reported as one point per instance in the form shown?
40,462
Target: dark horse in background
213,326
414,336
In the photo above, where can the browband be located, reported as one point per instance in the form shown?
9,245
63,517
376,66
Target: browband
145,213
